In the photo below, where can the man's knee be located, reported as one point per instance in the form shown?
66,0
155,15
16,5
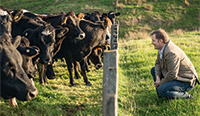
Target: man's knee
153,71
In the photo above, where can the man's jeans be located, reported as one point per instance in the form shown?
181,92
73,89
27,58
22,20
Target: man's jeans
172,89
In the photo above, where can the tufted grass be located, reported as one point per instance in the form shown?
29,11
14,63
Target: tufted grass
136,93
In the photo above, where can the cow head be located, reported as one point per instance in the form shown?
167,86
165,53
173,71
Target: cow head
44,38
108,36
112,15
94,16
14,80
5,22
28,52
95,57
72,22
80,16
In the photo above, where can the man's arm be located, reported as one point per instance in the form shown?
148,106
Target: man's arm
173,64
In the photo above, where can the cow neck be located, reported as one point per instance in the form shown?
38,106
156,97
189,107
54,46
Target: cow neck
88,28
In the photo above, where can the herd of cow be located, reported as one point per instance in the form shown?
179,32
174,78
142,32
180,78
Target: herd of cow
29,43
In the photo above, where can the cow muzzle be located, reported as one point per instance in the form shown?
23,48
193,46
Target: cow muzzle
45,61
98,66
31,95
81,36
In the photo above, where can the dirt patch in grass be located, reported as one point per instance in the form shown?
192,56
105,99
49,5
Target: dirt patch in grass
70,110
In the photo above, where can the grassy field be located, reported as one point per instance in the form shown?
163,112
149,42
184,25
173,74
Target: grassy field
137,17
136,93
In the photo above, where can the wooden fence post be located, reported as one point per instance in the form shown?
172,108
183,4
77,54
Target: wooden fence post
110,83
110,76
114,35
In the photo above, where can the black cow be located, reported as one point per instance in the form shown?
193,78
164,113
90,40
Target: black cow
69,21
77,51
95,57
39,33
74,33
94,16
14,80
28,52
112,16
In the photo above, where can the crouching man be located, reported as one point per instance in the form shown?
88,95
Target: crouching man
174,73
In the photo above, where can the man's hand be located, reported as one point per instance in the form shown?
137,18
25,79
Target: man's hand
157,84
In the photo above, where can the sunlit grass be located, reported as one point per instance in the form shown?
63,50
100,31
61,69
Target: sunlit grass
139,97
136,93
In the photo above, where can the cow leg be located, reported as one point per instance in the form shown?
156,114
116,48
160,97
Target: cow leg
49,72
83,73
40,70
13,102
86,64
42,76
76,66
88,61
70,70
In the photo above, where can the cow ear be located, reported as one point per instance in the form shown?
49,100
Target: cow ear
60,32
99,50
69,20
16,41
105,24
117,14
87,16
64,21
28,33
18,15
31,51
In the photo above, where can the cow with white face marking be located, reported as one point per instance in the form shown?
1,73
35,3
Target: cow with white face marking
77,51
72,32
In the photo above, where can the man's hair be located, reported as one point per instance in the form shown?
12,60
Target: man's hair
161,34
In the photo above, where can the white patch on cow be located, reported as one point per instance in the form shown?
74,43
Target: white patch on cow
26,33
3,13
24,11
32,81
46,32
27,50
109,35
112,13
36,50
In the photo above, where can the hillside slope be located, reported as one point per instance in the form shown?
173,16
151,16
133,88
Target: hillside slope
137,16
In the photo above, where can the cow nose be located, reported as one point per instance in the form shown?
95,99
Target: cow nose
32,94
45,61
82,35
98,66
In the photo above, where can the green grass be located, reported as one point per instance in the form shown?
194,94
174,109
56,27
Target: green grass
170,15
136,93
